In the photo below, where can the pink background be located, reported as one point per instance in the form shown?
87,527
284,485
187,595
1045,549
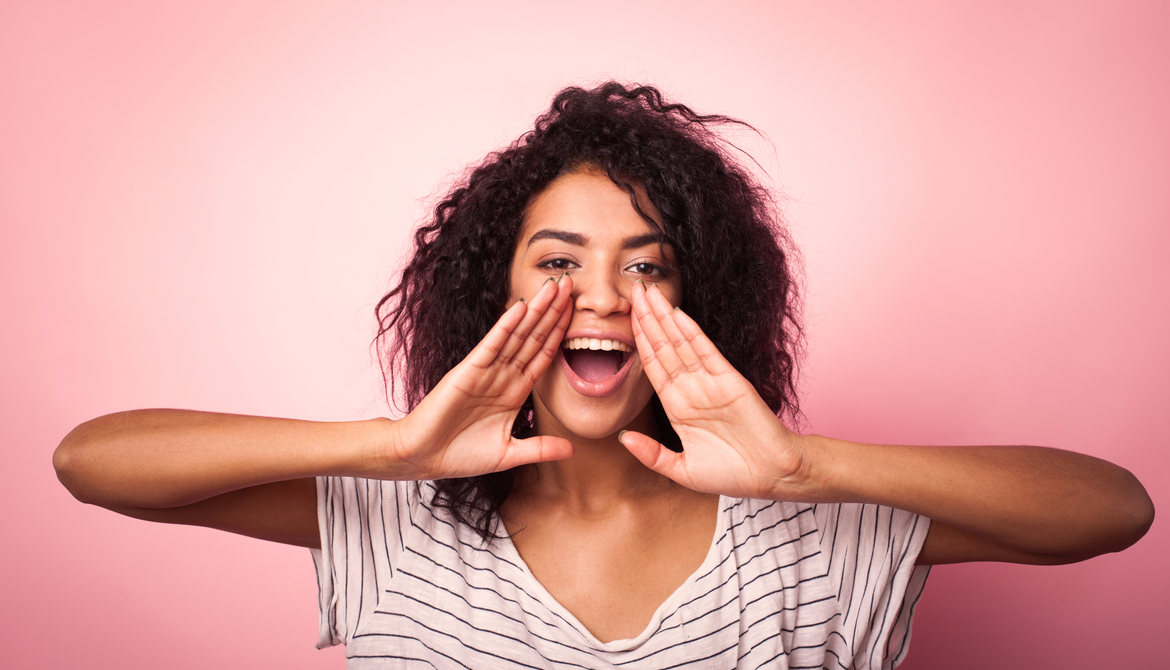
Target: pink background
200,206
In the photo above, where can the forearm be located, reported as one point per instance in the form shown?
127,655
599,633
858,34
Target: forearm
165,458
1030,499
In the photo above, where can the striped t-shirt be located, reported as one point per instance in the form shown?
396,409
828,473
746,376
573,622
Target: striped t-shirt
784,585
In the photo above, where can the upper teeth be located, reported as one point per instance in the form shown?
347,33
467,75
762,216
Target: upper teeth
596,344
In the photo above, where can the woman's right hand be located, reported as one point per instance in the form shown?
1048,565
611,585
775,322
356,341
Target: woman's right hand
463,427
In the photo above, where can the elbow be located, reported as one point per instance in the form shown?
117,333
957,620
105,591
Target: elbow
1125,521
1121,516
1137,514
70,461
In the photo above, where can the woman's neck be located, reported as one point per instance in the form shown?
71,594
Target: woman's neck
601,474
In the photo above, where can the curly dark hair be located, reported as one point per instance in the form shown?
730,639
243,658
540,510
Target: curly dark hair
732,251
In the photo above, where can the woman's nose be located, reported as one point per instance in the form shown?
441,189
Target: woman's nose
602,295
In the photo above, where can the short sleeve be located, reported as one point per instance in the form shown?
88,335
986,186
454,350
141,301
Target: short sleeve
871,552
361,538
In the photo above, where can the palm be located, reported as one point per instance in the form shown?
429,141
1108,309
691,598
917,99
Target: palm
733,444
463,427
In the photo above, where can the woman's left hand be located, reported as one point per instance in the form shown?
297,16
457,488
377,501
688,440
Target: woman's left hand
733,443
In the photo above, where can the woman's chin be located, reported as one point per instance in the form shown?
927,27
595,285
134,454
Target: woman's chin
590,420
579,428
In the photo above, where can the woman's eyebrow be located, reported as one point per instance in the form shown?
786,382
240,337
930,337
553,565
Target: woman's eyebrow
579,240
644,240
576,239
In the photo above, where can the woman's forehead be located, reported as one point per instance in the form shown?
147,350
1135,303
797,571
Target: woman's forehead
586,203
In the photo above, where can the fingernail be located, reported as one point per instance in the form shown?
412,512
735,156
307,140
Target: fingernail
621,434
676,308
642,283
523,301
563,275
552,279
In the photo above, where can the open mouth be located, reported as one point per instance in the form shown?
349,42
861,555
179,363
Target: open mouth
595,360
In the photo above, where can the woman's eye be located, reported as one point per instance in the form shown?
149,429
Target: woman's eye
559,264
648,269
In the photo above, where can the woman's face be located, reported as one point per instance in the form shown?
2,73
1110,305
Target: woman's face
584,225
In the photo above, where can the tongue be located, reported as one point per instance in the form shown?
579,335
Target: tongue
594,366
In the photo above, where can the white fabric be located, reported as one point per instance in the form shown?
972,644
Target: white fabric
784,585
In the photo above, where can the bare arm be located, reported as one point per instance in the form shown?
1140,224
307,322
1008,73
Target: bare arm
246,474
1018,504
163,458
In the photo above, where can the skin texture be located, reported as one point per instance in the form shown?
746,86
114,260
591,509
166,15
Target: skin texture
610,526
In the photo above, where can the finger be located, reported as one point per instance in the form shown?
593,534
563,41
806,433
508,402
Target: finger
536,309
545,331
536,450
706,351
654,455
493,343
552,345
666,314
654,371
658,355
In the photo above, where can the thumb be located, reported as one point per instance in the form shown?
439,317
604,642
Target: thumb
652,454
536,450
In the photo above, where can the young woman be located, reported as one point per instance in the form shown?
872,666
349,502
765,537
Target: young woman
595,341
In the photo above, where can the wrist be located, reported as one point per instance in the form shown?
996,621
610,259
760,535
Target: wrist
811,472
381,448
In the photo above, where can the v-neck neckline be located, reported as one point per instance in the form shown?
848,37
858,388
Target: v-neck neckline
668,606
